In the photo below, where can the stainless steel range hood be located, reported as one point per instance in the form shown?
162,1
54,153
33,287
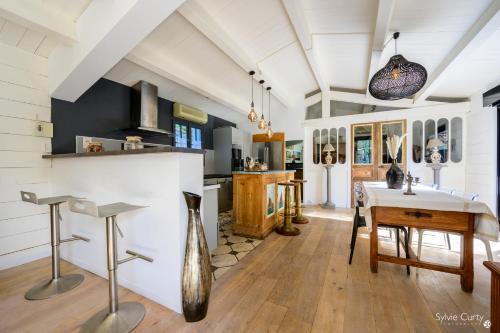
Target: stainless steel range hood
145,108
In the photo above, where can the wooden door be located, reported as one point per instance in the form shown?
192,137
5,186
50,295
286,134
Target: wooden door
370,158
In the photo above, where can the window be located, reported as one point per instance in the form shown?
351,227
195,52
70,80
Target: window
316,146
430,133
456,140
417,137
333,142
314,111
181,136
342,145
362,144
324,141
195,138
443,135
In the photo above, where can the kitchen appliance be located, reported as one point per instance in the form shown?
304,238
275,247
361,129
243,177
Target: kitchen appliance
237,163
224,192
224,140
270,153
144,105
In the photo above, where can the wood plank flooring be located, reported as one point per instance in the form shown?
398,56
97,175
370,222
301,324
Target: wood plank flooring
287,284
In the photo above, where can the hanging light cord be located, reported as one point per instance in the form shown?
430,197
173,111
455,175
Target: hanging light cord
394,37
262,85
269,103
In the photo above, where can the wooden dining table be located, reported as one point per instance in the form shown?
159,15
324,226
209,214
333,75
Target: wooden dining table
431,210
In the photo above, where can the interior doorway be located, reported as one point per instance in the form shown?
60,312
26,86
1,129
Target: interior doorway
370,157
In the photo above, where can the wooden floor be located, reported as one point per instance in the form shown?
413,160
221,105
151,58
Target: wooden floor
287,284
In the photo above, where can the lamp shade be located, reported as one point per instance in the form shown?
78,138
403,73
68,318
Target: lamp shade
398,79
435,143
328,147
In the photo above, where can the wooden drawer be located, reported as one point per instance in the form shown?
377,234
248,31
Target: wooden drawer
421,218
362,173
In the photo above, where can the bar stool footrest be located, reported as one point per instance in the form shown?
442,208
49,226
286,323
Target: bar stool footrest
52,287
128,316
134,255
75,237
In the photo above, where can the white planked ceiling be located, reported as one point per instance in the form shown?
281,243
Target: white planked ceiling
33,41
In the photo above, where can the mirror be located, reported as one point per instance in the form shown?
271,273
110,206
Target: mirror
417,137
388,130
443,135
342,145
324,141
363,144
456,140
333,142
430,133
316,146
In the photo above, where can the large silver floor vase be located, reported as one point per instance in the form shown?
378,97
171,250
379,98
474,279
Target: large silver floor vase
197,273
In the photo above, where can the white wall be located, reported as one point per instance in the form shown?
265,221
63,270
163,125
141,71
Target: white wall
481,145
452,176
23,99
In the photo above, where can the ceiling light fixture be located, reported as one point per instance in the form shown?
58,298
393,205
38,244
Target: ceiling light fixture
262,122
269,130
252,115
398,79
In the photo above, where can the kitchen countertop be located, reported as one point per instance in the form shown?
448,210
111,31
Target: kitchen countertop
128,152
261,172
216,175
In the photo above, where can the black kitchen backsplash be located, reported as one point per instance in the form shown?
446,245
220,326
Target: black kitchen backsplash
104,111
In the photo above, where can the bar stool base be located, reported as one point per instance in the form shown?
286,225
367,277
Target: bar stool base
300,220
128,316
282,230
47,289
328,205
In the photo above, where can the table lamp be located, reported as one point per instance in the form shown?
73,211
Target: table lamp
435,144
328,148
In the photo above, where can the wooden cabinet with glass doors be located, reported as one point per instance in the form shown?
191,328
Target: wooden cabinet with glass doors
370,158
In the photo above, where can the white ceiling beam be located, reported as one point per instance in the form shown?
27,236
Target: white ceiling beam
178,73
382,23
109,30
481,30
369,100
34,15
299,24
193,12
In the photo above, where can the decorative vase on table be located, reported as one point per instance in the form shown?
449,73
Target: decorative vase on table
394,176
196,274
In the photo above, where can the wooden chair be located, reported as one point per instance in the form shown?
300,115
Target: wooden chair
359,221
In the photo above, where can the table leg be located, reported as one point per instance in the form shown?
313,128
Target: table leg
374,244
467,260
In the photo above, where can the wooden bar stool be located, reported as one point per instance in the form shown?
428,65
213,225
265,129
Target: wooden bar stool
58,284
299,218
118,317
287,229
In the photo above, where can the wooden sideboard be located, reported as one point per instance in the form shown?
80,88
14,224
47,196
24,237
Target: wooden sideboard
252,216
494,267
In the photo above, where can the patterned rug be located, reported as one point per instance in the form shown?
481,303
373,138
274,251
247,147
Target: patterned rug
231,248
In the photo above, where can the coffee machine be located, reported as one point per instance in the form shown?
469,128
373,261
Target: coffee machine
237,163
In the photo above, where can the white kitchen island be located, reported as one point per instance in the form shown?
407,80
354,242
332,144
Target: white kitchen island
153,177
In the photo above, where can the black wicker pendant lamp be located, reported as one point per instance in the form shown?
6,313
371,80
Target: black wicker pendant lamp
398,79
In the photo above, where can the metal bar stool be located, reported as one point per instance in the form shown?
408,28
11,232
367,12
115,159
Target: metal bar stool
287,229
118,317
58,284
299,218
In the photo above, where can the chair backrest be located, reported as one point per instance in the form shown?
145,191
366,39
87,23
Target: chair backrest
471,196
29,197
83,207
447,190
358,194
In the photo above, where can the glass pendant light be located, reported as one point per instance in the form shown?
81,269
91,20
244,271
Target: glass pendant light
252,115
262,122
398,79
269,130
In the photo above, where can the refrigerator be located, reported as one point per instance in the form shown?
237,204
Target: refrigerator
270,153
